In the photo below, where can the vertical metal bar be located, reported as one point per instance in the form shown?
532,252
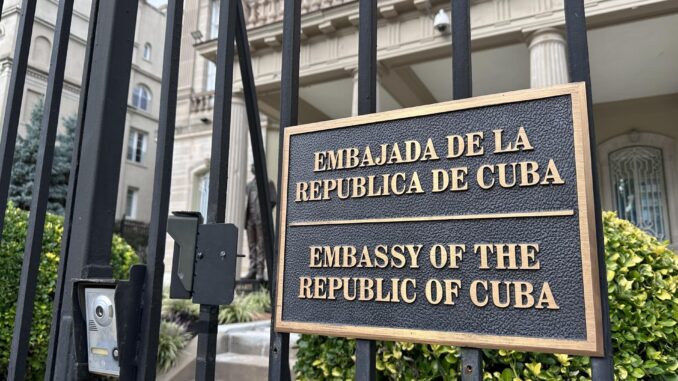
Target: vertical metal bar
366,350
155,268
33,248
462,79
471,364
216,203
462,87
578,52
95,203
278,359
72,184
257,141
10,123
367,58
205,360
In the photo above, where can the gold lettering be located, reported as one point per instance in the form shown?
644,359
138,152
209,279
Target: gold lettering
484,249
473,140
305,287
413,251
455,146
412,151
503,254
314,260
458,179
398,253
480,177
319,163
546,296
302,189
440,180
527,253
366,285
334,285
429,151
451,290
523,294
474,293
319,288
528,173
438,292
403,290
552,176
496,297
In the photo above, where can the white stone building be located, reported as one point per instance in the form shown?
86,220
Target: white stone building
136,174
516,44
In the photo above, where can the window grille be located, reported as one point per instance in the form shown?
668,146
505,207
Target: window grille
639,189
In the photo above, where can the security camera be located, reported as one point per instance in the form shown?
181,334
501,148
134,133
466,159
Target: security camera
441,21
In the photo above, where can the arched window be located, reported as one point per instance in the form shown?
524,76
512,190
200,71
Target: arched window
147,51
141,98
41,51
639,188
203,193
637,181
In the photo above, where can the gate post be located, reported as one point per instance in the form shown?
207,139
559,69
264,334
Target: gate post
278,358
94,201
366,350
602,368
462,87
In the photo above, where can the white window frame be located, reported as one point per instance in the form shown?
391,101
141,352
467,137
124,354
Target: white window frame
635,138
148,51
140,94
214,19
210,76
133,145
131,207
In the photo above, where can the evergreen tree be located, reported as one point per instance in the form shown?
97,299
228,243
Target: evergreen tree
25,158
61,167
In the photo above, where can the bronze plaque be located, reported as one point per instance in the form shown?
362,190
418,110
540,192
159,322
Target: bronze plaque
465,223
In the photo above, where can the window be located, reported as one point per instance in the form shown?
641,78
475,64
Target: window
639,188
147,52
141,98
136,146
203,193
214,19
131,203
211,76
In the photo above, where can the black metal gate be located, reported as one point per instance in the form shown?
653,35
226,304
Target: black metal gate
89,216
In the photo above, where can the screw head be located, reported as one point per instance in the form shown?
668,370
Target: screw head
222,254
200,255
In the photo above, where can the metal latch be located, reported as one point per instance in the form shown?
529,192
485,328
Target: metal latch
204,262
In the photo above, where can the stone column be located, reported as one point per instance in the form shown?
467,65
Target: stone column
354,105
237,170
548,58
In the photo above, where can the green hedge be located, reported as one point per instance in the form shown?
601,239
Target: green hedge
11,258
643,282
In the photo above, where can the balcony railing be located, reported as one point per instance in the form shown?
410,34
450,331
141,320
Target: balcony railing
202,102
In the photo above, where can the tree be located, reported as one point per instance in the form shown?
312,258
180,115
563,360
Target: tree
25,158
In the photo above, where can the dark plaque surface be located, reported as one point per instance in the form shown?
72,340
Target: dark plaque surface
466,223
